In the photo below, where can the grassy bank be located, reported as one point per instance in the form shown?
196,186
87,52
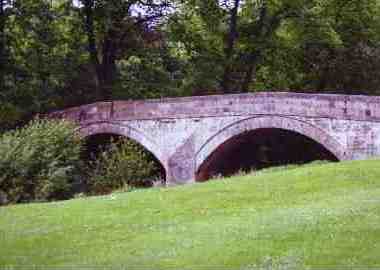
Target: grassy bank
319,216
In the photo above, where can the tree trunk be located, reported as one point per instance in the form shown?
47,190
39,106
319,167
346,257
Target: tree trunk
108,65
248,78
92,49
2,44
249,74
229,50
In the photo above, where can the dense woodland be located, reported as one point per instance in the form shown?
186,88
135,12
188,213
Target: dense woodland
60,53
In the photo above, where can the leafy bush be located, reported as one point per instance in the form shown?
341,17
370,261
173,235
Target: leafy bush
124,164
38,161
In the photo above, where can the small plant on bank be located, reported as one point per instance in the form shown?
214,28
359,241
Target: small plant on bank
123,165
39,162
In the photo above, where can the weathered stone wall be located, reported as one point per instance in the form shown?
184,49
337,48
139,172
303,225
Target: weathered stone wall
183,132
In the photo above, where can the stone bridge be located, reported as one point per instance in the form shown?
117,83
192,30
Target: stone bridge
192,136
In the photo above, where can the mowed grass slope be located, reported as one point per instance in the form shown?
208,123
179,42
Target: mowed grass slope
318,216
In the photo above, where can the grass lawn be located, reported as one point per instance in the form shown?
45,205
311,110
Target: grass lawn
317,216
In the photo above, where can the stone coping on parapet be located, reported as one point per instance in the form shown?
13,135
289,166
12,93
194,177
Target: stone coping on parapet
350,107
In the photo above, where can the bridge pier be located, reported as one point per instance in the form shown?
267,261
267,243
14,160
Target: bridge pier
181,164
180,173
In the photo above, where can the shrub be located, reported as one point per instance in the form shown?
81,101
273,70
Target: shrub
39,162
124,164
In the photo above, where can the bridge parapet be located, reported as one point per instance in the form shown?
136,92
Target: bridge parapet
360,108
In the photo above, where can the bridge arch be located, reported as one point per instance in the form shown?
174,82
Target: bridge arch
124,131
290,125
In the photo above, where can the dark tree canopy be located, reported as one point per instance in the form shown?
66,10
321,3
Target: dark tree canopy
60,53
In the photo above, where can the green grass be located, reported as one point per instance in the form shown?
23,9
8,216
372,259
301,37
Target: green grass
318,216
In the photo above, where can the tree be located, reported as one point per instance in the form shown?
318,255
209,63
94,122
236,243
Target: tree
347,61
238,44
113,30
2,42
231,38
42,56
58,53
243,33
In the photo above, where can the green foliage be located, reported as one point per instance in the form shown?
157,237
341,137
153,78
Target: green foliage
122,165
39,161
152,73
45,54
294,45
56,54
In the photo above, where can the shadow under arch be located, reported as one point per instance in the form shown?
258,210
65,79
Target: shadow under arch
264,130
127,132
